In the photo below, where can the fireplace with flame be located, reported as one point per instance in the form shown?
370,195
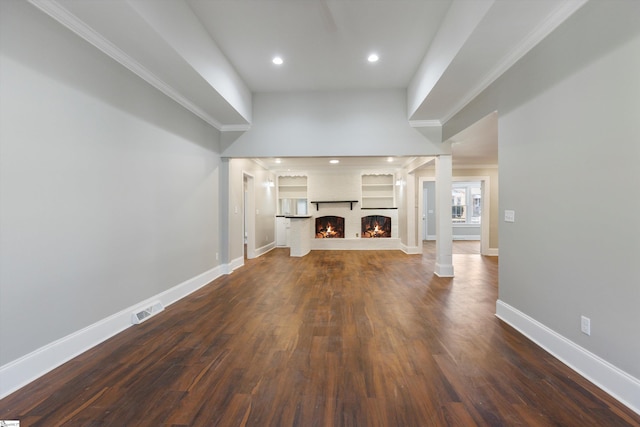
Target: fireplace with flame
376,226
330,227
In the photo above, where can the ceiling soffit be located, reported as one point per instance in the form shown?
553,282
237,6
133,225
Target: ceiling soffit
501,35
122,33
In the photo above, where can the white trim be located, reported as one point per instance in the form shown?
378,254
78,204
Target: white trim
603,374
235,264
480,166
466,237
444,270
421,213
20,372
264,249
425,123
235,128
411,250
249,214
557,17
73,23
491,252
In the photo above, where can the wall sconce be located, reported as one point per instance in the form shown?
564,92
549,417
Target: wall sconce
400,182
271,184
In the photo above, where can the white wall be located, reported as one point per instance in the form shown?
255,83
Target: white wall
567,157
108,189
569,152
345,123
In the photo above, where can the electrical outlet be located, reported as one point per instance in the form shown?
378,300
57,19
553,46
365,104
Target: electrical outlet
585,325
216,256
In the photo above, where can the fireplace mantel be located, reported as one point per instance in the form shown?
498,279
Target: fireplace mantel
321,202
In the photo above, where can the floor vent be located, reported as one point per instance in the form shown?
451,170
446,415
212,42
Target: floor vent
145,313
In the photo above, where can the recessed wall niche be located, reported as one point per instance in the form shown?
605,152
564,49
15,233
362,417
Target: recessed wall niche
378,191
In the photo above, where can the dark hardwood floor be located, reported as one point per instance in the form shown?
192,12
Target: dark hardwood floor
335,338
466,247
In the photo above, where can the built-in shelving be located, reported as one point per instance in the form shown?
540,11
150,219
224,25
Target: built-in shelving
378,191
292,187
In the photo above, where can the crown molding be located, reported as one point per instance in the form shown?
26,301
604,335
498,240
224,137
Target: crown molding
235,128
463,167
425,123
378,172
261,163
73,23
557,17
280,173
486,166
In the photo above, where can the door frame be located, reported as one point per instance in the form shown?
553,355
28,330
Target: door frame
485,185
248,212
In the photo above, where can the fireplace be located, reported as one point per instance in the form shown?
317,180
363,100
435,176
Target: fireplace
330,227
376,226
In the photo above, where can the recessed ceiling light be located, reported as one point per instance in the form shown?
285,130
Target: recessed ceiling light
278,160
334,161
373,58
389,159
277,60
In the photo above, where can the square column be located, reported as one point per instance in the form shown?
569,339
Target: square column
444,225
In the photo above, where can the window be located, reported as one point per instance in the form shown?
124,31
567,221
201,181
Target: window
466,203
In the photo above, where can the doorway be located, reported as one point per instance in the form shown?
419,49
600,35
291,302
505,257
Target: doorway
469,213
249,219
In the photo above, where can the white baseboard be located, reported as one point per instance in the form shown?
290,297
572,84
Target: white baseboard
235,264
443,270
620,385
465,237
491,252
22,371
266,248
411,250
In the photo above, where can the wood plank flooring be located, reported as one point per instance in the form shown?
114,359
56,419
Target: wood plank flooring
335,338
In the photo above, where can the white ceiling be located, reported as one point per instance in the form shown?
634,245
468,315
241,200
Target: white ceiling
363,164
324,43
210,55
477,145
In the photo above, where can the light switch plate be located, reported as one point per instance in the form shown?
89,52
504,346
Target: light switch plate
509,216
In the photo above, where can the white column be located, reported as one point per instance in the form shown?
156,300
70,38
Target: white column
410,195
444,226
